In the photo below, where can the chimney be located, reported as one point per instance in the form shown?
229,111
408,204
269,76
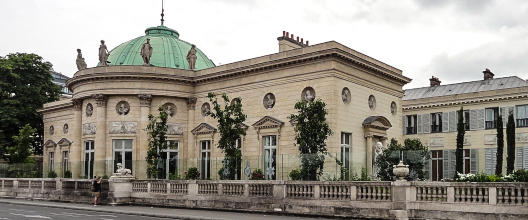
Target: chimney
434,81
488,74
288,42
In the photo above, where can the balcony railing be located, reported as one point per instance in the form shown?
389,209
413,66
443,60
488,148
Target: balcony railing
522,122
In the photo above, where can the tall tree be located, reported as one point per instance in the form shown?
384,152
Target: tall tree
510,141
157,131
25,85
500,145
230,119
20,152
311,130
461,131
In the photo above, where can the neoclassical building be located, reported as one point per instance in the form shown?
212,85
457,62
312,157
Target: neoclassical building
104,122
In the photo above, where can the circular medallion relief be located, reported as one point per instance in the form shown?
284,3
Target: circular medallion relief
269,101
51,130
206,108
393,108
345,95
122,108
308,94
89,109
65,128
169,108
372,102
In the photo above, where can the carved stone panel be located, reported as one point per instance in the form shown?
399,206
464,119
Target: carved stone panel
122,108
521,137
89,128
308,94
345,95
169,108
437,142
205,109
372,102
269,101
123,127
490,139
174,129
89,110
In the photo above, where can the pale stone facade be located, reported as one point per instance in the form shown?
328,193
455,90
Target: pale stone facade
96,113
479,98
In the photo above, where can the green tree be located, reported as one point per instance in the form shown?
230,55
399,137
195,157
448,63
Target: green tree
25,85
459,153
510,141
500,146
311,130
157,131
414,154
20,152
230,119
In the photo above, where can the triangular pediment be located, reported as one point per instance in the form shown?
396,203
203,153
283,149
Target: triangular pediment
203,128
268,122
50,143
64,142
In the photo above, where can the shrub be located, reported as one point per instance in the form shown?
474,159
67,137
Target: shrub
192,174
521,175
295,174
174,176
67,174
257,175
52,174
105,177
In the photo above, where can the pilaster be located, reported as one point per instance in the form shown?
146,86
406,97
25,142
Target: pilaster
145,101
76,145
100,136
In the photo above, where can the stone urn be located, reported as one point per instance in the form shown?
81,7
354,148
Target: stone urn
401,171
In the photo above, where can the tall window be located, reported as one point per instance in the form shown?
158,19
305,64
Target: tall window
522,116
491,117
88,159
122,153
465,117
205,164
467,161
270,156
51,161
170,159
436,122
65,161
411,124
345,153
437,165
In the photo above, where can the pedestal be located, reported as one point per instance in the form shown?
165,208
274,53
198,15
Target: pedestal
120,189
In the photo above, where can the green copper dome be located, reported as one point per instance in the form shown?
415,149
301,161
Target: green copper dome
167,51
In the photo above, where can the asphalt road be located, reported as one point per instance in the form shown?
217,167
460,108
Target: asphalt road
12,209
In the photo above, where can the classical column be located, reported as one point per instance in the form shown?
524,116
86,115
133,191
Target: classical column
76,146
369,154
100,136
191,106
143,139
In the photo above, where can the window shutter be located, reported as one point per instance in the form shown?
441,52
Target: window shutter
504,114
525,158
473,120
490,160
446,165
453,120
427,167
452,163
419,124
445,121
480,119
473,161
404,123
426,119
519,157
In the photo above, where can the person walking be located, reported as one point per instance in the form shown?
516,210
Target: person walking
97,189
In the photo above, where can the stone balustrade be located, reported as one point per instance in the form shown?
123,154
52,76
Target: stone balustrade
385,200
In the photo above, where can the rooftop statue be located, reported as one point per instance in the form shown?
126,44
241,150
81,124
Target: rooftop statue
103,54
146,52
80,61
191,57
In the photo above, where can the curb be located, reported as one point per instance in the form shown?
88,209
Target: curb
96,209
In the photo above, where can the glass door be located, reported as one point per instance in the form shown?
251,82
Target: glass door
270,156
205,160
88,159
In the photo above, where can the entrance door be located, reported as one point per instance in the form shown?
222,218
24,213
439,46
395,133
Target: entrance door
270,156
88,159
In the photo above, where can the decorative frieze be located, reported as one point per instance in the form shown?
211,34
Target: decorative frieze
174,129
123,127
89,128
436,142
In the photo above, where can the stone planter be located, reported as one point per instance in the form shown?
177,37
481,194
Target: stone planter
401,171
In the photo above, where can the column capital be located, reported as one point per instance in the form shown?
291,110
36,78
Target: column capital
77,104
145,99
191,102
100,99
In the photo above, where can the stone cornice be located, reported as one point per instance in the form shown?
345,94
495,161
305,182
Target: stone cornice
464,102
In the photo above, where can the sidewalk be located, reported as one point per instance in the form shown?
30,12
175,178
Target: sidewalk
191,214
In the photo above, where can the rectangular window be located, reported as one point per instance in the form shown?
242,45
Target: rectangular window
465,119
522,116
491,117
345,154
270,156
437,165
51,161
122,153
205,158
411,124
467,161
65,161
170,160
436,122
88,159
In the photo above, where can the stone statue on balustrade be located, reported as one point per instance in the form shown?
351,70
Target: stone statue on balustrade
103,54
81,64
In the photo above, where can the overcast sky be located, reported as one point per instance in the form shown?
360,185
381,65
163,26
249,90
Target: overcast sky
454,40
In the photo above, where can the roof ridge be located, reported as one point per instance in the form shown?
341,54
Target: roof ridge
467,82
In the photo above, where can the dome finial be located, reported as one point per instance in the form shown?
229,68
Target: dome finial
162,13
